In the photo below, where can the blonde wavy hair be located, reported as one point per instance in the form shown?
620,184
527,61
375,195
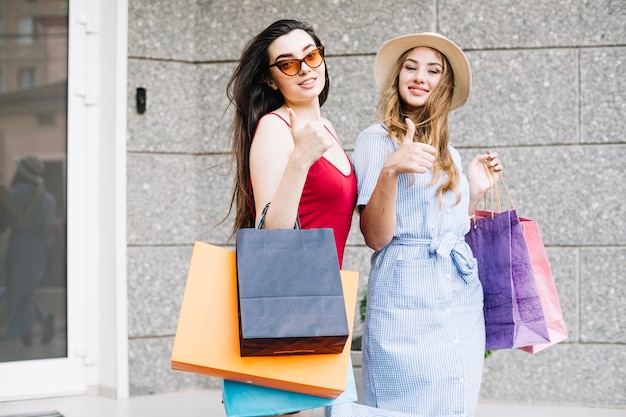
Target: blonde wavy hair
431,122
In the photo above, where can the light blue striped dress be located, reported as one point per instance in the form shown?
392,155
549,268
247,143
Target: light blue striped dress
424,334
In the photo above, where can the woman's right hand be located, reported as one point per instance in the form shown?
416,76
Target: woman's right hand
378,218
311,139
411,157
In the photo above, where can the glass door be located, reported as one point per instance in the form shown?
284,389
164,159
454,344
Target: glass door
33,178
33,197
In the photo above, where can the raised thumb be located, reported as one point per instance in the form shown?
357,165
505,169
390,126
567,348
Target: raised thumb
410,130
293,119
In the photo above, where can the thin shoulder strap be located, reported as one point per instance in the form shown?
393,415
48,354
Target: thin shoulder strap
287,123
281,118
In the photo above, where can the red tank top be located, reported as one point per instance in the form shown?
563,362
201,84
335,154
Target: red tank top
328,200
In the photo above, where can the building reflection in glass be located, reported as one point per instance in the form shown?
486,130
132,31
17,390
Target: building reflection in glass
33,178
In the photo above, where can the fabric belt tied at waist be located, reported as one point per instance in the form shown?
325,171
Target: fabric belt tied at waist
447,246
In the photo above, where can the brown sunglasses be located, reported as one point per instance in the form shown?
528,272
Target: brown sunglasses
292,66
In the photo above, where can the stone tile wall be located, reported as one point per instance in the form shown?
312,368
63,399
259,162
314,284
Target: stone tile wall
549,94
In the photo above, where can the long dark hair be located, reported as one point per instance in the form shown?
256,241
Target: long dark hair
252,98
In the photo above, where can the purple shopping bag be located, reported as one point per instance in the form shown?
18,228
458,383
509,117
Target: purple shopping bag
513,312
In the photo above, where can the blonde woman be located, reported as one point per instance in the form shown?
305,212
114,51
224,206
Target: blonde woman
424,335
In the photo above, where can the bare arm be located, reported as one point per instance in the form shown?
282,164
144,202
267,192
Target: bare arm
280,159
481,175
378,218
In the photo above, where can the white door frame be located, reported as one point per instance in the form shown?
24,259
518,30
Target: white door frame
97,360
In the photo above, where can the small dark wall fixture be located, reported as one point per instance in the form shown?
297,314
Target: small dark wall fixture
140,96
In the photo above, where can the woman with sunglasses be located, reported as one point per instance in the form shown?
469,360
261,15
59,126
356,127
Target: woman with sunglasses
285,151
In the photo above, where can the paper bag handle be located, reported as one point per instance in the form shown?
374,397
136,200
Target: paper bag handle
494,191
261,224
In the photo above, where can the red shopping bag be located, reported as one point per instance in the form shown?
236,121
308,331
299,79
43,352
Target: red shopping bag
545,285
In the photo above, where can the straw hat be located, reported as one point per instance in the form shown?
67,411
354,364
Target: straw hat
390,52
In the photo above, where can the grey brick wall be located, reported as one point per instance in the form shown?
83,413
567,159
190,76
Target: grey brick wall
549,95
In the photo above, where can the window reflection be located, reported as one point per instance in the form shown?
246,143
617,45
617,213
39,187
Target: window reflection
33,161
26,29
26,77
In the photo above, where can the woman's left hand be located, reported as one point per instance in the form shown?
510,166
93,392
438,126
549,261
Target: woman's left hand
481,174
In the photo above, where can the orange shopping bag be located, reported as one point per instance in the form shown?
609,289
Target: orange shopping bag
207,336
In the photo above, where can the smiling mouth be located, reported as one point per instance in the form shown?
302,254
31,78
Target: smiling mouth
418,91
308,81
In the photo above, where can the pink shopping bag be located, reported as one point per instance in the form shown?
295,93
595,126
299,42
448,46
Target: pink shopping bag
545,286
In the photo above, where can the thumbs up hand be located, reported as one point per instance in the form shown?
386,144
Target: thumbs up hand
311,139
411,157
